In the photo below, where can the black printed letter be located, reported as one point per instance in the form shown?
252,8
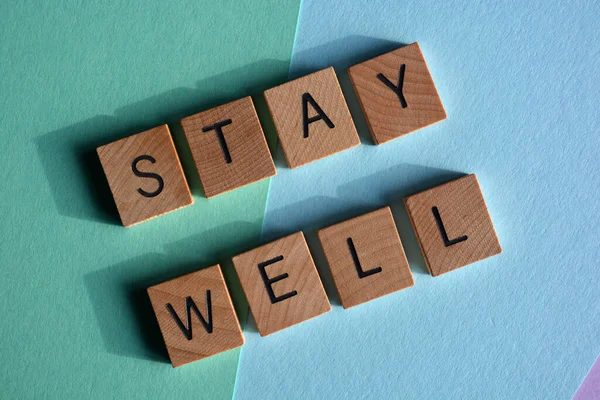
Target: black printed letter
396,89
137,172
270,281
361,273
440,224
190,305
307,98
217,127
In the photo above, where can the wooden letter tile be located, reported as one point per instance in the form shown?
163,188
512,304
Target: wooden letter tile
311,118
196,316
145,176
228,147
281,284
397,93
453,225
366,257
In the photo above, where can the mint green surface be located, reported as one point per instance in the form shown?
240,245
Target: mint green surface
76,321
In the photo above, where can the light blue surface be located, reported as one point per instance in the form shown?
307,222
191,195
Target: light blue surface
520,82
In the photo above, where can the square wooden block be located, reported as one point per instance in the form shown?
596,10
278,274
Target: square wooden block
397,93
145,176
311,117
281,283
228,147
366,257
453,225
196,316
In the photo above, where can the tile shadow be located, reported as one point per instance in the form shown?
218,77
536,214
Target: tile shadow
354,198
342,54
68,155
121,304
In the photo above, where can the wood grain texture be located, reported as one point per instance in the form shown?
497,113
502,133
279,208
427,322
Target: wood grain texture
366,257
246,158
384,111
119,160
465,223
226,332
286,106
288,255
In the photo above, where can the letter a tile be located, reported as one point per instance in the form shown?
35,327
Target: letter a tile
281,283
366,257
311,118
228,147
196,316
453,225
397,93
145,176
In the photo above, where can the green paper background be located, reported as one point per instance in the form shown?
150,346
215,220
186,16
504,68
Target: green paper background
76,321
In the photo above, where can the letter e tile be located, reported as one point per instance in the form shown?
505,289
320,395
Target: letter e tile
281,283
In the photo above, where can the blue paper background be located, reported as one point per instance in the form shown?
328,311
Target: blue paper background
520,84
